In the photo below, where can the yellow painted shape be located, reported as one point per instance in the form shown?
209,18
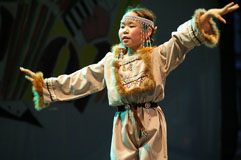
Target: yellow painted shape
59,29
87,55
28,94
61,62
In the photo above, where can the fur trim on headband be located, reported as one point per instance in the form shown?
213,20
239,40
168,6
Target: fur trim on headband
148,84
211,40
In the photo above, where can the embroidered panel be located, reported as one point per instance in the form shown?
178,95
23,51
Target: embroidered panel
133,73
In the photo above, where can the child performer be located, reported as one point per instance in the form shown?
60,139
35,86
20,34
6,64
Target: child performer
134,74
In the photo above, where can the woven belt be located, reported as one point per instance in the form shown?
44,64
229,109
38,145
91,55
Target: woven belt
133,108
135,105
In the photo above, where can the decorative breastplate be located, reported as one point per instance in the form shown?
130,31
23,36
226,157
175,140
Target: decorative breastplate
133,74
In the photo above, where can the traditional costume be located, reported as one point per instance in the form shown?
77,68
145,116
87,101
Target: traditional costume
135,83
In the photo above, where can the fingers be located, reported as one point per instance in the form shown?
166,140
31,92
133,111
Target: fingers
27,71
234,7
29,78
29,74
220,18
228,5
230,8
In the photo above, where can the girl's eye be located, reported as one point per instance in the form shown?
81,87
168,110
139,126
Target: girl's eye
132,26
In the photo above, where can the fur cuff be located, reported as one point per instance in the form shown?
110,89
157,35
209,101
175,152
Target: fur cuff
37,90
210,40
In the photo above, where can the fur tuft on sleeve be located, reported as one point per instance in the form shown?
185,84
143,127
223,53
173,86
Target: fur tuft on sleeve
210,40
37,90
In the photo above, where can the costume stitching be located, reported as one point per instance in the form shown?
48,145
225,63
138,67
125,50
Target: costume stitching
47,84
148,84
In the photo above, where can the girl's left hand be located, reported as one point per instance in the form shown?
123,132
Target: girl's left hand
216,13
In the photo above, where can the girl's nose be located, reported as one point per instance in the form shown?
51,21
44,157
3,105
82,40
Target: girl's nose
126,30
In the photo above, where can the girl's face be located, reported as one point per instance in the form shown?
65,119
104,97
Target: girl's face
129,33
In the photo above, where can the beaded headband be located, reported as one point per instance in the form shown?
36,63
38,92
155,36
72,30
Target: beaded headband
144,24
140,19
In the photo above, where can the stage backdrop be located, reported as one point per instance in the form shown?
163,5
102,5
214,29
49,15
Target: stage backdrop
62,36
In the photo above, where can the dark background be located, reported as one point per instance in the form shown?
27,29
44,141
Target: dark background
202,103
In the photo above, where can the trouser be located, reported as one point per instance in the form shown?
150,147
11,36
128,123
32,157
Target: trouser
128,142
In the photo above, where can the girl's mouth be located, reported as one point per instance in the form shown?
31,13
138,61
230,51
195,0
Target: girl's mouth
125,39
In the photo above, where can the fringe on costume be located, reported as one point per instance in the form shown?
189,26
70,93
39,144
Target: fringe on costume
211,40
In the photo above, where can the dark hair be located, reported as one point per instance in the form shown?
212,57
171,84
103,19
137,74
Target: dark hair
145,13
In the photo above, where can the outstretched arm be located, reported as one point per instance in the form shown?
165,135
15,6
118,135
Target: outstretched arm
83,82
200,30
204,19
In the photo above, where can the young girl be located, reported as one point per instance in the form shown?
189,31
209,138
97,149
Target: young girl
134,74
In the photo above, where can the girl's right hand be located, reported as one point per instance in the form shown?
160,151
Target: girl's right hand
29,74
